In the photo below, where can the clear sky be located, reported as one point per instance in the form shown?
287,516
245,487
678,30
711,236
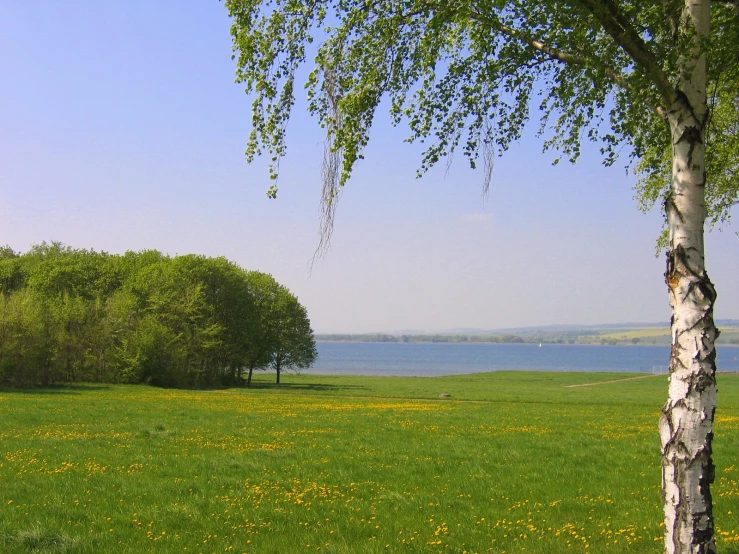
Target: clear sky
121,129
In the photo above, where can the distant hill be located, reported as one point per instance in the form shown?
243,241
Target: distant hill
606,334
569,327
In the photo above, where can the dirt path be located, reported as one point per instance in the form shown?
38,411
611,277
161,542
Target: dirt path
615,381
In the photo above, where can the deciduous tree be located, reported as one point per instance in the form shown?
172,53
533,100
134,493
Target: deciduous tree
71,315
287,340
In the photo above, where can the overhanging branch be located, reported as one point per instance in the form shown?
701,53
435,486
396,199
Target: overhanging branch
621,30
560,55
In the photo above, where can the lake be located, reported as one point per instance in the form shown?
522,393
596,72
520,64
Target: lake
430,359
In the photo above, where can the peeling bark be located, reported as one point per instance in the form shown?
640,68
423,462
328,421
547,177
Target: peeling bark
686,423
687,417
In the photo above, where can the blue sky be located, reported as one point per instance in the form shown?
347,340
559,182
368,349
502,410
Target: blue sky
122,129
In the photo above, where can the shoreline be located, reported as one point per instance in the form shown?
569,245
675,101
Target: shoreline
474,343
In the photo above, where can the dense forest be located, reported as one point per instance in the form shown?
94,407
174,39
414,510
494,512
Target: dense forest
69,315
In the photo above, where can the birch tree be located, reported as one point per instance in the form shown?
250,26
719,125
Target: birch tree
656,79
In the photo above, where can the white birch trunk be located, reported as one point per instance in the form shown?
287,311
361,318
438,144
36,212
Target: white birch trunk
687,417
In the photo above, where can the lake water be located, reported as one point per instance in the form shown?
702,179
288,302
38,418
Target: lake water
429,359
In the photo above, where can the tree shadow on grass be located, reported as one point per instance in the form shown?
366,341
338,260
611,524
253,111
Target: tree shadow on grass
315,387
56,389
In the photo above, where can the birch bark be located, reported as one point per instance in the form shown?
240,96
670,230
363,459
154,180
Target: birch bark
687,417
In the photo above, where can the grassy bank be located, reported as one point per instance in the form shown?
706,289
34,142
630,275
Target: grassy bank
513,462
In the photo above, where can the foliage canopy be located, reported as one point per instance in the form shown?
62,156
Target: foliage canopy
77,315
470,74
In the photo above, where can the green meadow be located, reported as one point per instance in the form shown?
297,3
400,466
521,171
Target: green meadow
729,335
512,462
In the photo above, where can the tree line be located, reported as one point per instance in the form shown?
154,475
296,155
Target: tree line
381,337
69,315
504,338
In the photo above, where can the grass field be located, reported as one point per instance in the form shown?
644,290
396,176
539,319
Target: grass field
644,334
513,462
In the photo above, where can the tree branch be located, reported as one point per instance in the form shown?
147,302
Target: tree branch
560,55
621,30
554,53
672,12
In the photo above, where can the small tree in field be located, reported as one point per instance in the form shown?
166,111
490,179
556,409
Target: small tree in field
660,77
294,346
